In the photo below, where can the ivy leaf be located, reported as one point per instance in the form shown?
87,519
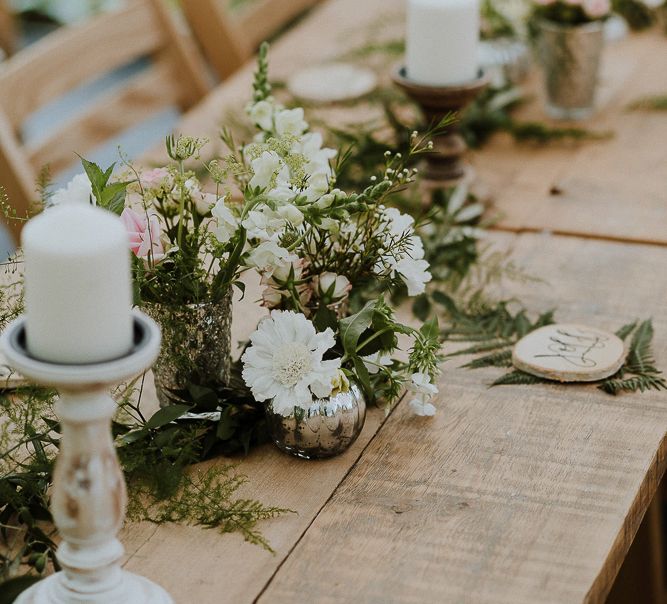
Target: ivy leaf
166,415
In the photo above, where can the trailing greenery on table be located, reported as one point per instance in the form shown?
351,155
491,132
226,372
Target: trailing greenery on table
650,103
495,330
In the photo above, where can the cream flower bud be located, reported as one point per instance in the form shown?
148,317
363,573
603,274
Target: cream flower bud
334,286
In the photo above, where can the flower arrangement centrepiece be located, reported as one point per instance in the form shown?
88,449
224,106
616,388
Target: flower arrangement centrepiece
326,259
322,253
570,38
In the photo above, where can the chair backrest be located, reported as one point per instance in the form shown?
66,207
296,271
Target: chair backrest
7,29
229,40
75,55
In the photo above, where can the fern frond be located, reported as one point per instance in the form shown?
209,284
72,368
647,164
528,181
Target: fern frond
517,377
497,359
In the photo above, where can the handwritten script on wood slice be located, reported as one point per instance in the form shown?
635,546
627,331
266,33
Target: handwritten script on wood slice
332,82
569,353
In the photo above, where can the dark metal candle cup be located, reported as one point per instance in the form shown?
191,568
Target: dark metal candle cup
445,166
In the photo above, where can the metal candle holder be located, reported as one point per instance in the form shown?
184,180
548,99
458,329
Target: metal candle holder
445,166
88,500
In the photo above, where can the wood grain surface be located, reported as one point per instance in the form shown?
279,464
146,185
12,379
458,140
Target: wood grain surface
511,494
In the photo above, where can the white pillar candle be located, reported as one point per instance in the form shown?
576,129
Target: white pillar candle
78,289
441,41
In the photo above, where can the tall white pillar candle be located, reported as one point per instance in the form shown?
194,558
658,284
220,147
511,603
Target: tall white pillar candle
78,291
441,41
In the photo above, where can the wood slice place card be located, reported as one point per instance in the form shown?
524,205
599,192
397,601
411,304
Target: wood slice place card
569,353
332,83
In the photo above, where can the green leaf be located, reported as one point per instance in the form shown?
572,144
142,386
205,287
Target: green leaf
421,307
98,178
112,197
11,589
166,415
325,317
518,378
626,330
364,379
353,326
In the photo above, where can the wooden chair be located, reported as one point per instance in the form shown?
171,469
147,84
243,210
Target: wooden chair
7,29
228,40
74,55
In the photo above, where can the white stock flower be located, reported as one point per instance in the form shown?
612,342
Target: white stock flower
284,362
77,190
269,256
290,121
421,407
263,224
226,222
291,213
268,169
261,113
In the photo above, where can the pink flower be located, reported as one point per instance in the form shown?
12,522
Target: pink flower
144,231
596,9
154,178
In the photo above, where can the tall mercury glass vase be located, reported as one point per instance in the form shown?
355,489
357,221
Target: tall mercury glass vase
570,56
196,346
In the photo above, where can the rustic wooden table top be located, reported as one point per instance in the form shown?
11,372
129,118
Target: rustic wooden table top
514,494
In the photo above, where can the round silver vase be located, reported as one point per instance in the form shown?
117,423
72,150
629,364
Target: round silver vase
326,428
570,56
196,346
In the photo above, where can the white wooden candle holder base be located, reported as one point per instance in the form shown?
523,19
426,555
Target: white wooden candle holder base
89,498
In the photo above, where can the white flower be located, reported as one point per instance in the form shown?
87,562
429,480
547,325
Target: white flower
318,185
261,113
268,169
424,390
78,190
290,121
422,408
284,362
420,383
338,285
225,222
269,256
263,223
375,361
414,273
291,213
399,223
596,9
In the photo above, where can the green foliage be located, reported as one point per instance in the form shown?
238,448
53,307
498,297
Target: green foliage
496,329
650,103
637,14
639,372
207,498
110,196
261,86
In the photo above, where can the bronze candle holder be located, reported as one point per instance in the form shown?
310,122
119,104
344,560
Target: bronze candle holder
445,166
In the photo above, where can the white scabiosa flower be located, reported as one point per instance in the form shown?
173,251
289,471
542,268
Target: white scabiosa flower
284,362
77,190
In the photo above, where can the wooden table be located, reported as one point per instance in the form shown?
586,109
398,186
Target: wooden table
514,494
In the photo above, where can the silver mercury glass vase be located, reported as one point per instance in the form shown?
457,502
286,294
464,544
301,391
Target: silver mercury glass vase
570,56
327,428
196,346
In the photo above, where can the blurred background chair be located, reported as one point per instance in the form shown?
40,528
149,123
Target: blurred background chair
229,38
7,29
162,68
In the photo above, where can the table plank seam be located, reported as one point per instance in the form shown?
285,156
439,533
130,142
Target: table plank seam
329,498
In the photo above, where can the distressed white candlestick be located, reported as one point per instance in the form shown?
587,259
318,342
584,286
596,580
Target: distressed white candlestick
88,499
441,41
78,292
